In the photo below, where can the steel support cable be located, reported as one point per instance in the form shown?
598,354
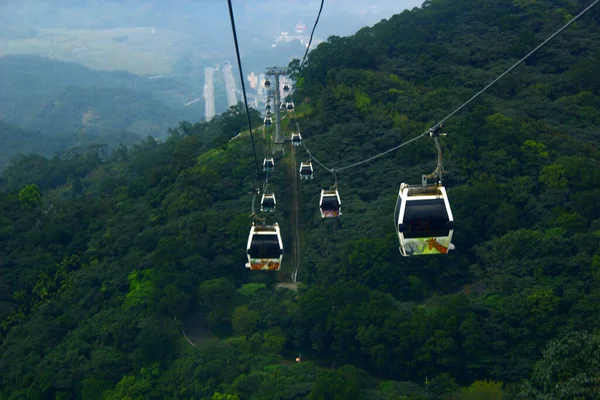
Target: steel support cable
333,170
381,154
311,35
239,61
308,151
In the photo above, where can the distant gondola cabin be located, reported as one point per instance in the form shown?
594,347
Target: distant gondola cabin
268,164
330,204
268,202
306,171
296,139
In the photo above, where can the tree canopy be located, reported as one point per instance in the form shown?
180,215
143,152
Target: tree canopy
122,270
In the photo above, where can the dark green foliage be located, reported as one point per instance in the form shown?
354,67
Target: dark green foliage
120,253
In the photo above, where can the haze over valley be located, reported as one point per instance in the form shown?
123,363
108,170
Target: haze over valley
179,39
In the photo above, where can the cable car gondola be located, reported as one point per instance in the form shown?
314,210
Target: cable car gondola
268,122
267,83
268,203
306,171
330,204
265,249
283,106
290,106
268,114
296,139
268,107
425,221
286,88
268,164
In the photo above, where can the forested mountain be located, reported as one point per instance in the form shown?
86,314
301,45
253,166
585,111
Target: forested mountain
122,275
16,141
58,98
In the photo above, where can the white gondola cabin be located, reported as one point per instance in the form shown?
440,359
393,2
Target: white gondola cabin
296,139
268,202
268,114
267,83
268,107
268,121
424,220
268,164
283,106
265,248
330,204
286,88
290,106
306,171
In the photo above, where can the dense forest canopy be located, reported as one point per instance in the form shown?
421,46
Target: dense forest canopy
122,273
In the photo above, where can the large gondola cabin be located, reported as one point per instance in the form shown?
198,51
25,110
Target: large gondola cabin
424,222
265,248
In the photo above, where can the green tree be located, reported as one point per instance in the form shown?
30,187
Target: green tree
219,396
31,195
569,369
244,320
215,298
482,390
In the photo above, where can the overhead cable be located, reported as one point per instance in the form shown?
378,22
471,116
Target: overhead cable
333,170
239,61
312,33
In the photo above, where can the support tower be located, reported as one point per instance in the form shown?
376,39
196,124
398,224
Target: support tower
276,72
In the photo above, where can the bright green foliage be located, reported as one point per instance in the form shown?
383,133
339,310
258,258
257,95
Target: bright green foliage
250,289
482,390
499,121
539,149
553,176
363,102
30,195
219,396
140,288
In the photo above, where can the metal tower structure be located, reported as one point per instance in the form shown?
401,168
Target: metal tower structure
276,72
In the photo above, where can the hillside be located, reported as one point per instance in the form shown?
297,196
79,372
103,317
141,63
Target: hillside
55,98
112,262
15,141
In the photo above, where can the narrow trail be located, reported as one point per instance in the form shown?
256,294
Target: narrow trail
289,279
295,215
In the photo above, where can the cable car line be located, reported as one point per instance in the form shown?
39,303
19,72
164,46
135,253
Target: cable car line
521,60
311,34
332,170
423,218
264,247
237,52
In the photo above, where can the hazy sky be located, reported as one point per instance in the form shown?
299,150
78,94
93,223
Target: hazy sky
199,29
340,14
